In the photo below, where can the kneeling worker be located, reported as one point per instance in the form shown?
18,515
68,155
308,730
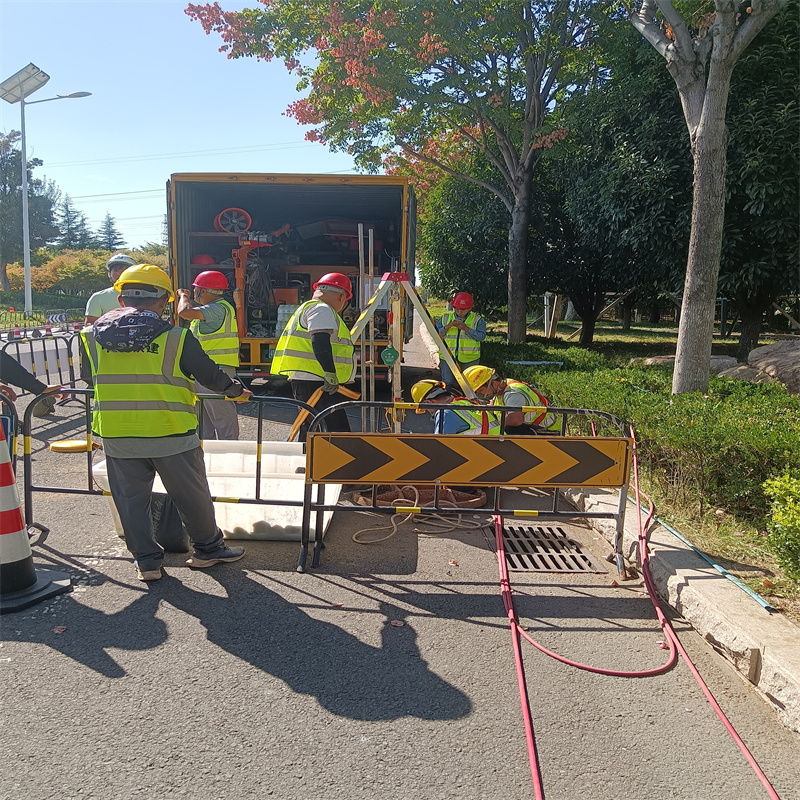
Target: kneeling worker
469,418
144,369
315,349
214,326
489,386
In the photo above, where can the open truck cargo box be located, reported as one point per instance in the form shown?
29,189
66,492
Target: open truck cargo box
315,219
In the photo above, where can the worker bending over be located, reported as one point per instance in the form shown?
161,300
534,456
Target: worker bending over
213,324
467,418
144,370
490,387
315,350
107,299
462,331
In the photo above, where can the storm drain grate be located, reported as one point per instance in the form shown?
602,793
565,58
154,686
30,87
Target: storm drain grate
545,550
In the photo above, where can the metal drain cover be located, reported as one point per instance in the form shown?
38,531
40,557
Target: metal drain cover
545,550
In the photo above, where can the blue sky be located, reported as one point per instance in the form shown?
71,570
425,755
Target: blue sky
163,100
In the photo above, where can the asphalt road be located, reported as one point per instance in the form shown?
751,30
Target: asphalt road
251,681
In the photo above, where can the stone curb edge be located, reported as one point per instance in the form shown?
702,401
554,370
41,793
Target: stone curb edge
763,646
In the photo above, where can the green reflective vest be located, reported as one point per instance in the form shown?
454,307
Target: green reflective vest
462,347
144,394
533,398
222,346
294,352
474,417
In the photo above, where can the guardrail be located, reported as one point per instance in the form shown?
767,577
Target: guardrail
51,359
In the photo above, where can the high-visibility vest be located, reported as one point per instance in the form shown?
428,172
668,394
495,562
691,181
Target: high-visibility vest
534,398
476,417
143,394
294,352
222,346
462,347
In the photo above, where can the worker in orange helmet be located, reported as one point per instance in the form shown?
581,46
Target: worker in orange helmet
462,331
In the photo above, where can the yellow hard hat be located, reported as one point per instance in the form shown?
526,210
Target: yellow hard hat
146,274
422,389
478,376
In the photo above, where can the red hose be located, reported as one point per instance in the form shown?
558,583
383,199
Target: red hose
673,643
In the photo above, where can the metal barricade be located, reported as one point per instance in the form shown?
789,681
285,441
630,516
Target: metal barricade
51,359
10,423
548,462
86,396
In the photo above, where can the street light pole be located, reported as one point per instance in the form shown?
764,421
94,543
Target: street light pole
16,89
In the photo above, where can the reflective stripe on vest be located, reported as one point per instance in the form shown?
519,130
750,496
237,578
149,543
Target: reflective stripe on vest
533,398
144,394
222,346
294,352
473,415
462,346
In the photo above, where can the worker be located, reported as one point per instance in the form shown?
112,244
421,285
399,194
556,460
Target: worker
489,386
315,350
468,418
144,370
462,331
213,323
107,299
11,371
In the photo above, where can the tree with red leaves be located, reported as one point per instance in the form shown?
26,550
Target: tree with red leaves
431,82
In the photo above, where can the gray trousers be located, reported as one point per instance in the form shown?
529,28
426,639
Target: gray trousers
220,417
184,478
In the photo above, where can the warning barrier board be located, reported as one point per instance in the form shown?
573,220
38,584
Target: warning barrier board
460,460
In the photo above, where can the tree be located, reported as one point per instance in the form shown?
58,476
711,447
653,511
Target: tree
42,197
75,234
433,80
108,237
701,56
80,271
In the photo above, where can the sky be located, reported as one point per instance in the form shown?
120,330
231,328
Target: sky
164,100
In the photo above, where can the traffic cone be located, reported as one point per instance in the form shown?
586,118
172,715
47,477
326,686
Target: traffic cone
21,584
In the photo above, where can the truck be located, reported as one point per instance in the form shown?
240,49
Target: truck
274,235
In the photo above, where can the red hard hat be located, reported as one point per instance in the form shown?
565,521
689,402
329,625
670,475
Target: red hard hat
336,279
203,259
462,300
211,279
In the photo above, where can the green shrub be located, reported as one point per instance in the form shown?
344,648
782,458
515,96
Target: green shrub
784,526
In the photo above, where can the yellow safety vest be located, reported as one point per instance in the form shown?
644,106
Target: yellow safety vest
534,398
143,394
463,348
294,352
222,346
473,415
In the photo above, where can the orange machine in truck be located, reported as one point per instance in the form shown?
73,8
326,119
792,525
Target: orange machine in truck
274,235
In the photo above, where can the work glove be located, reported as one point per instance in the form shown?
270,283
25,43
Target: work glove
330,383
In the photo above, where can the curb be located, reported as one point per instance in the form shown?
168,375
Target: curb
762,646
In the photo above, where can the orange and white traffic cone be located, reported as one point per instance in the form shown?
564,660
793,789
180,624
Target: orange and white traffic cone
21,584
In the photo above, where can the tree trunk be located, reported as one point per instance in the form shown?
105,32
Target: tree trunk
655,312
5,285
626,313
518,263
709,146
751,311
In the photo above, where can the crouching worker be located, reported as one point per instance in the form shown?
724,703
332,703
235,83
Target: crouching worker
490,387
467,418
143,369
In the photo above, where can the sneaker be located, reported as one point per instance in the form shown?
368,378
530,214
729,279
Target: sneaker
221,556
148,574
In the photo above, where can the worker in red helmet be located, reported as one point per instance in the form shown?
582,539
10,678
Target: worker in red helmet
315,349
462,331
213,322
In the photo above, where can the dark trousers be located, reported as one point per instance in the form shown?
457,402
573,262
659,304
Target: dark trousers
184,478
302,390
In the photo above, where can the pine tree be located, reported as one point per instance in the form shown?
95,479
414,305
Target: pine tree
108,237
75,233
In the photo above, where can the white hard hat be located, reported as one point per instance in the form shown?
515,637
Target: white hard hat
119,261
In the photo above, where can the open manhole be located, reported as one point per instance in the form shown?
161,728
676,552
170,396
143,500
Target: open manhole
545,550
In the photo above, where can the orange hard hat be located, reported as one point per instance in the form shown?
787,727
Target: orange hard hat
338,280
462,300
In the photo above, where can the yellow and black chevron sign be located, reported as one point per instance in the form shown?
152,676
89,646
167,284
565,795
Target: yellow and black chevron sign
464,460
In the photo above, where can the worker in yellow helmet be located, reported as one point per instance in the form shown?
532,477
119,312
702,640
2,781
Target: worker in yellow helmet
468,418
143,369
490,387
